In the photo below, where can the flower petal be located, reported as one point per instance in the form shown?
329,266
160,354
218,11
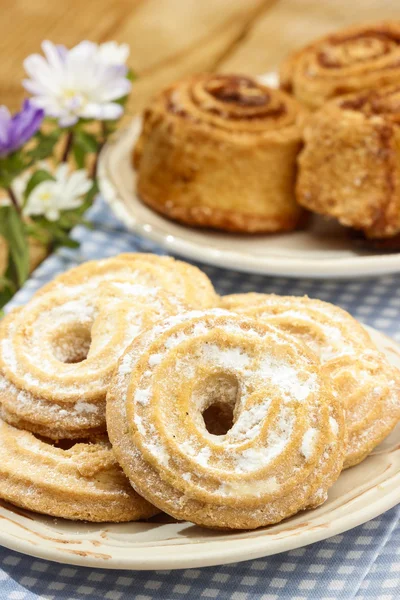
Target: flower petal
106,112
40,71
61,173
5,122
52,214
22,126
68,120
112,53
77,184
35,204
34,87
119,89
54,54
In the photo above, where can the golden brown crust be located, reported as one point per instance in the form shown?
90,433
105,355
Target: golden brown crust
227,220
219,151
280,452
363,379
358,58
349,167
58,353
81,481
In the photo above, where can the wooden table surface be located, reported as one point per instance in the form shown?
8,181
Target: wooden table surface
172,38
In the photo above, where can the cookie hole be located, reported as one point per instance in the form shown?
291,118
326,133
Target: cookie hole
62,444
218,395
72,345
218,418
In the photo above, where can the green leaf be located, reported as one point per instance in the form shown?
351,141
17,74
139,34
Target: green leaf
61,238
37,231
5,296
57,231
12,228
122,101
45,143
10,167
87,141
90,196
83,143
83,121
7,290
51,227
5,282
79,156
67,241
37,177
131,75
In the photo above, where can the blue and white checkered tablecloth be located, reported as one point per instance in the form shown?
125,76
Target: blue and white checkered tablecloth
361,564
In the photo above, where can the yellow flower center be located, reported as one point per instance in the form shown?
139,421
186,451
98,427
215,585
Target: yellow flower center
74,100
45,197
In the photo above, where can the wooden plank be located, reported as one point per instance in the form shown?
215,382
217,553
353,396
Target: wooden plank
290,24
172,38
168,38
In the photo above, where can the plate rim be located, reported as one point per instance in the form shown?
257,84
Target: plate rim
203,559
328,268
201,555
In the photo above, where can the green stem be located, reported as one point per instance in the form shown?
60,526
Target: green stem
13,199
68,146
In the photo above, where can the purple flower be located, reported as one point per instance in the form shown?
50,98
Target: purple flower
16,130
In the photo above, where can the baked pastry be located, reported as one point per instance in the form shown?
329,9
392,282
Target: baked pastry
176,277
350,165
278,453
370,387
80,482
358,58
326,329
362,377
58,353
220,151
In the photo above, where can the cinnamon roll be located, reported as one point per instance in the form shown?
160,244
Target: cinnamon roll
277,453
220,151
358,58
349,168
58,353
362,377
81,481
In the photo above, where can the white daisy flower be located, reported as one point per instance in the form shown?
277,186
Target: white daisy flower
112,53
83,82
51,197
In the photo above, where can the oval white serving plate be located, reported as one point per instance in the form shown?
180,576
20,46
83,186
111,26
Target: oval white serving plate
360,494
323,250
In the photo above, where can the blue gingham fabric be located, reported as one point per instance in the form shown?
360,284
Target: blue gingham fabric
361,564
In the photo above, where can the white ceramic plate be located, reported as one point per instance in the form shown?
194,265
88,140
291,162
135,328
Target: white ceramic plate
360,494
323,250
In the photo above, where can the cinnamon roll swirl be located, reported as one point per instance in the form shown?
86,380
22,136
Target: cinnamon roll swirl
219,151
359,58
58,353
362,377
279,451
81,481
349,168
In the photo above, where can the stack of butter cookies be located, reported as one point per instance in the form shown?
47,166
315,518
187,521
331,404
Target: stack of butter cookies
129,387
